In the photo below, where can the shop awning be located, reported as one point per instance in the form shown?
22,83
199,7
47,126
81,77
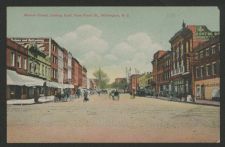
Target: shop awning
68,86
52,84
14,78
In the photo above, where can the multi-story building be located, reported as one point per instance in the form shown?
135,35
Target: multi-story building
38,63
80,75
182,44
120,80
145,80
163,79
134,83
206,70
157,70
60,68
75,69
93,83
65,66
47,46
84,77
17,57
69,68
17,64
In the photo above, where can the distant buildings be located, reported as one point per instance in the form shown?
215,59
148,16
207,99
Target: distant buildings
92,83
119,80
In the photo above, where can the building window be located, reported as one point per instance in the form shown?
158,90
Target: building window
197,72
201,54
202,71
196,56
207,52
218,47
208,70
12,59
19,61
213,49
46,73
43,70
25,63
214,68
35,67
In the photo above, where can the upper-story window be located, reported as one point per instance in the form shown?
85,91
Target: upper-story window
201,54
218,47
43,70
19,61
197,72
214,68
12,59
202,71
213,49
25,63
46,71
208,70
207,52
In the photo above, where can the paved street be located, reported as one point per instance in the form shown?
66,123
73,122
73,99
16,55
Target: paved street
104,120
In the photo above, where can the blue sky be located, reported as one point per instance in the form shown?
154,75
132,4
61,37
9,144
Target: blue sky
110,37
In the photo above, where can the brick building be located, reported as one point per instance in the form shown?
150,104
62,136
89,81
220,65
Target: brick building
164,74
206,70
65,67
93,83
17,64
75,69
47,46
134,83
17,57
157,70
120,80
84,77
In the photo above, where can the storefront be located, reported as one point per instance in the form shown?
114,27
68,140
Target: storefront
208,89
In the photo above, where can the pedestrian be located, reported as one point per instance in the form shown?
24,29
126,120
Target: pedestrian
99,93
133,93
78,93
85,96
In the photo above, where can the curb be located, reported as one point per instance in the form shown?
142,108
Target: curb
186,102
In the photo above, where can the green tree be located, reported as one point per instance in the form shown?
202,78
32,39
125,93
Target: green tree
102,78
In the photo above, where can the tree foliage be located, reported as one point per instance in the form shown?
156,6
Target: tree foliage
102,78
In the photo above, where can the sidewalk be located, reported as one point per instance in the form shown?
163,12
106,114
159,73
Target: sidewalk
199,102
30,101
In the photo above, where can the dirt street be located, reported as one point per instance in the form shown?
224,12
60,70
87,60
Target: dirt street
104,120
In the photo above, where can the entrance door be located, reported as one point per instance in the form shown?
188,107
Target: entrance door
202,92
18,92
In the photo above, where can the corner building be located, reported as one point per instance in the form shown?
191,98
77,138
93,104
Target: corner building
182,44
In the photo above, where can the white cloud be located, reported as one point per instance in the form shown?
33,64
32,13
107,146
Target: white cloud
136,51
89,47
86,31
140,40
82,40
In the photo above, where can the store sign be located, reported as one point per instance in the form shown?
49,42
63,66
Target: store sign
212,85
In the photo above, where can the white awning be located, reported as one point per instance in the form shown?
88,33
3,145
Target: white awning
14,78
52,84
68,86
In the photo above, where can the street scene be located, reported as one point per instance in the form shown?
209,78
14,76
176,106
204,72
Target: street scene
113,74
102,119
